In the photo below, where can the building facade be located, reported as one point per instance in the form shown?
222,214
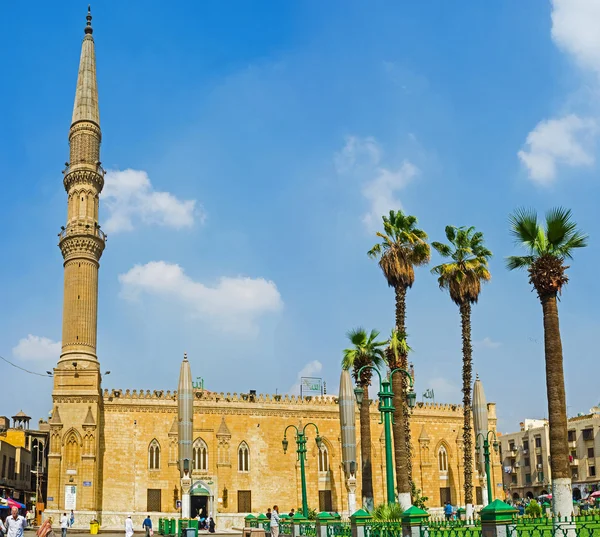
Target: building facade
526,457
113,453
23,456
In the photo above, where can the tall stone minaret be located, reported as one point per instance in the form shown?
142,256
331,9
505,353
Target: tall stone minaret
74,461
81,240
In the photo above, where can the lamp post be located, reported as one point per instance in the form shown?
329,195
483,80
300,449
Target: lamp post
486,455
301,451
386,408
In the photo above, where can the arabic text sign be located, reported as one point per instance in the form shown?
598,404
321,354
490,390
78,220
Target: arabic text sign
311,385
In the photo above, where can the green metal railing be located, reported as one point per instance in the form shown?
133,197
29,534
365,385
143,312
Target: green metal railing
308,529
392,528
455,531
339,529
554,527
285,528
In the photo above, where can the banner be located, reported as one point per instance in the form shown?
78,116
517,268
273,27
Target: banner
70,497
311,386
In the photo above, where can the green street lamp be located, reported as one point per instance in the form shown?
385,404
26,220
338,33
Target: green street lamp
485,437
301,451
386,408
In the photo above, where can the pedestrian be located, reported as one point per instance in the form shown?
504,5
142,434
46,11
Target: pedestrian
211,525
128,527
448,511
71,519
64,524
14,525
292,512
45,530
269,513
275,522
147,525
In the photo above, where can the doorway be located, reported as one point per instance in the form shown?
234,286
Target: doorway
199,506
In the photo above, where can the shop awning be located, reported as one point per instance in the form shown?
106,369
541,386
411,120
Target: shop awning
10,503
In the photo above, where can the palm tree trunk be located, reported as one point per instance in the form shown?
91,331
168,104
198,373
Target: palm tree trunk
557,409
365,450
465,317
401,424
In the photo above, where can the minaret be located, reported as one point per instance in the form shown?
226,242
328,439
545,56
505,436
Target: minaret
185,408
77,375
81,240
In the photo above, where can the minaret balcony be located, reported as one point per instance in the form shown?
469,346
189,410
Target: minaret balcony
82,229
83,173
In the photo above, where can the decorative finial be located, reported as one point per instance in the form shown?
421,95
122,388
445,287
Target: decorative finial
88,26
185,356
476,376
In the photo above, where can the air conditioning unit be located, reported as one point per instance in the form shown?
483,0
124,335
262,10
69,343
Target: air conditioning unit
540,466
525,451
516,464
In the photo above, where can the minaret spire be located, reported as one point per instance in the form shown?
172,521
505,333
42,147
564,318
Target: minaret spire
86,94
81,240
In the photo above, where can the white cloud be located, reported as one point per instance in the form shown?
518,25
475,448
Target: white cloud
129,198
357,152
575,30
486,343
309,370
233,304
381,192
362,157
36,348
566,140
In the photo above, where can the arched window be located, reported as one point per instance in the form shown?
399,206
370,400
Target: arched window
72,451
200,454
323,459
243,458
154,455
443,459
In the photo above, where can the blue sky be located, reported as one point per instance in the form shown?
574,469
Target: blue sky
252,147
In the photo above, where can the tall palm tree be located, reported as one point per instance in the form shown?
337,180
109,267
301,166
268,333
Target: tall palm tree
403,247
547,248
396,355
462,277
366,350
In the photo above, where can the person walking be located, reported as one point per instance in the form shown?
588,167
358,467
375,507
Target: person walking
64,524
128,527
14,525
211,525
448,510
71,519
45,530
275,522
147,525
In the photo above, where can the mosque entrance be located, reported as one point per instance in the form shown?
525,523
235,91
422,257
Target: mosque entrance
200,500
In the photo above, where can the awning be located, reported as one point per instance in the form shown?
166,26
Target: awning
12,503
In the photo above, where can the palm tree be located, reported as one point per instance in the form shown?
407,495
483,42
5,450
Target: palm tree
366,350
462,276
547,248
403,247
396,355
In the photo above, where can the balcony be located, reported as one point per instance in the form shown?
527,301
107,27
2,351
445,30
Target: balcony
538,450
82,229
573,462
572,444
513,452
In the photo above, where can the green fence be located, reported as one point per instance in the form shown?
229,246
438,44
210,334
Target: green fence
308,529
339,529
559,527
285,528
392,528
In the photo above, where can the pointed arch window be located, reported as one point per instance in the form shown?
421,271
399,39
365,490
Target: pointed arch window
72,451
243,458
323,459
200,454
443,459
154,455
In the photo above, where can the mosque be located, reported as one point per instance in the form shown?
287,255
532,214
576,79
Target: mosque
117,452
